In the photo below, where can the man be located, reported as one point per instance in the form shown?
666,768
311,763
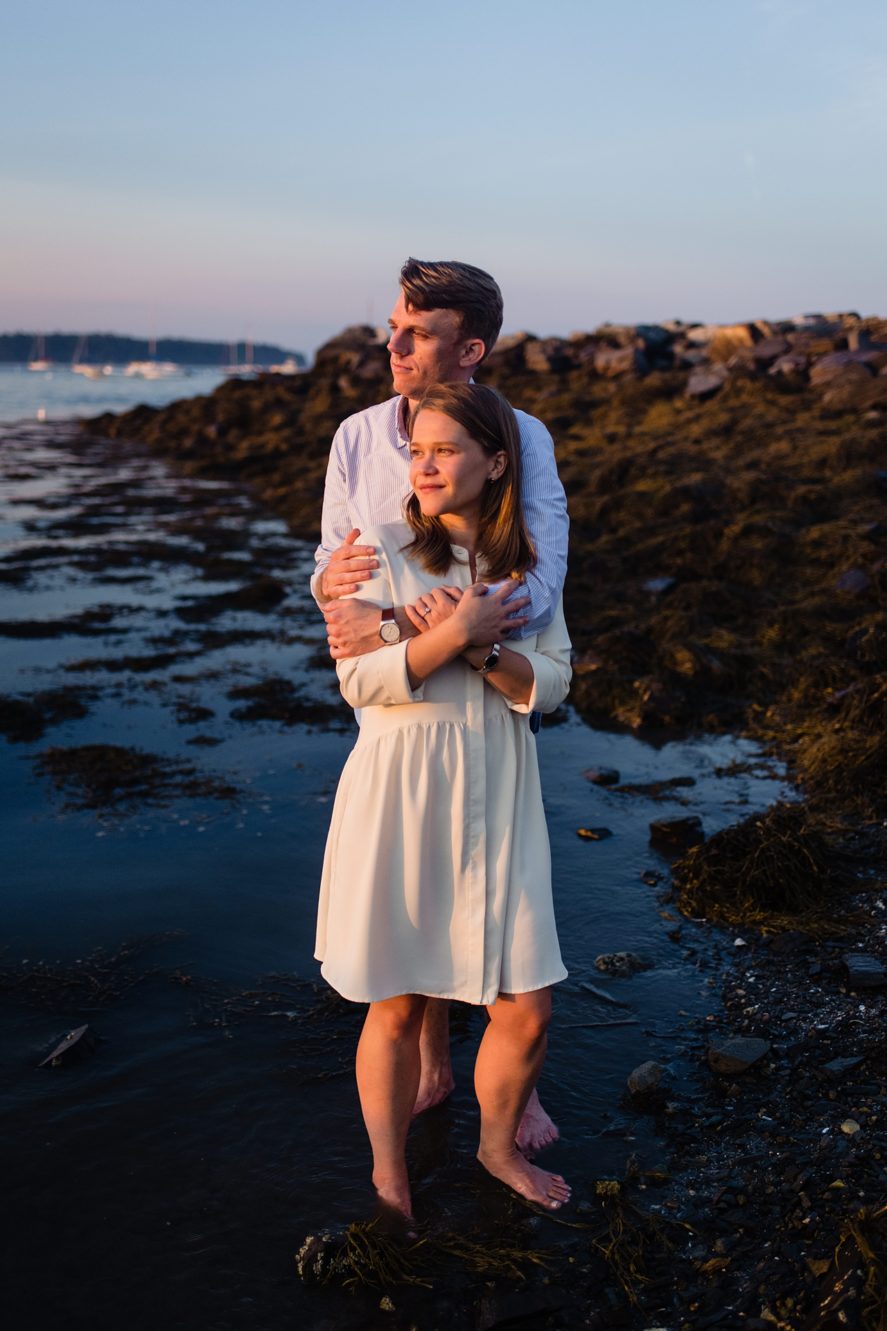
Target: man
444,324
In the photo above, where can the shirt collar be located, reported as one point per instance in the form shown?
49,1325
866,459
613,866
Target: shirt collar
400,421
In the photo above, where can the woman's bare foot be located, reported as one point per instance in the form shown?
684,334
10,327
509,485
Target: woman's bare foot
536,1128
394,1193
537,1185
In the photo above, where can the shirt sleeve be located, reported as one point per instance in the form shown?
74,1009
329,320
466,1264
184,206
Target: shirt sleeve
378,679
335,522
550,658
545,510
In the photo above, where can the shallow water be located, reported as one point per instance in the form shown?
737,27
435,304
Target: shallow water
59,393
169,1177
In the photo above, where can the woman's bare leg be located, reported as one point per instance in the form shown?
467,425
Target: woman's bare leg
509,1061
387,1068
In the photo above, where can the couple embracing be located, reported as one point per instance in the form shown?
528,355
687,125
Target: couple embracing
447,628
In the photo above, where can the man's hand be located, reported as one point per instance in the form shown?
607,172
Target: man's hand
352,628
349,566
484,616
433,608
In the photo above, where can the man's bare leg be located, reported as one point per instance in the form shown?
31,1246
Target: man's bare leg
436,1079
436,1070
536,1127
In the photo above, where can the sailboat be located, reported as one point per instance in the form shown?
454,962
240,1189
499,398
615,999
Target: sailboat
151,368
247,367
37,359
80,366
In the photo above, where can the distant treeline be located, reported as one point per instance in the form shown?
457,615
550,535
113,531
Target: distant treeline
110,348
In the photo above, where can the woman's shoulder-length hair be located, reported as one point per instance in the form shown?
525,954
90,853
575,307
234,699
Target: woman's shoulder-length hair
503,539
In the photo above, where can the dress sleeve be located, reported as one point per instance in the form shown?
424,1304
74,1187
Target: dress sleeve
545,510
379,678
550,658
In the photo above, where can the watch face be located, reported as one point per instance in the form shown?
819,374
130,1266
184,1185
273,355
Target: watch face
389,632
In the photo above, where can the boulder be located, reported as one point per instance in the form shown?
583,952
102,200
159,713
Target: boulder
612,362
837,363
769,350
706,380
548,355
728,339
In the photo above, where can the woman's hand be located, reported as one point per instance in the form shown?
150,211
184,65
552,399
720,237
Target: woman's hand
483,616
433,608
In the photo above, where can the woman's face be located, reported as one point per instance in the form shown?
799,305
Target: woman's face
449,469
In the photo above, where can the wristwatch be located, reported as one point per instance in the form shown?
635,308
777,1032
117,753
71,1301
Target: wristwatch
388,629
489,662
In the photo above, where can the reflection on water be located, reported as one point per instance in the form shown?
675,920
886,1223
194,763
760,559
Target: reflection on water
177,1168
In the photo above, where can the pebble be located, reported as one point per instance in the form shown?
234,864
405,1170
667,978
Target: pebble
850,1126
738,1054
593,833
602,776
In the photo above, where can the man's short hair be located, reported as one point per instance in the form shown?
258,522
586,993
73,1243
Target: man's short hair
449,285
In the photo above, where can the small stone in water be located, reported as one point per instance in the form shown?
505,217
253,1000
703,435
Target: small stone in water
593,833
602,776
646,1077
850,1126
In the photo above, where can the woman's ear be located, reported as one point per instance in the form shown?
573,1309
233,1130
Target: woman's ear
500,462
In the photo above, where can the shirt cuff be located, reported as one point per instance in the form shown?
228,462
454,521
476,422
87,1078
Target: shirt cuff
391,663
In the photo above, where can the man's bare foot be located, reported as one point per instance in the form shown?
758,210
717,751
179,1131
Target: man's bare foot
394,1193
537,1185
435,1085
536,1128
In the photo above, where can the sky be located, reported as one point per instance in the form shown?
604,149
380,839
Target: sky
225,170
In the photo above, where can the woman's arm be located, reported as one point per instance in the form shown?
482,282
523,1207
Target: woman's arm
532,679
480,617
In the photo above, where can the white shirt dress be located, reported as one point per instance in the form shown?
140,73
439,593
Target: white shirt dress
437,872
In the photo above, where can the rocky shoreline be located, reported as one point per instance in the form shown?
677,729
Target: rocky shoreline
727,489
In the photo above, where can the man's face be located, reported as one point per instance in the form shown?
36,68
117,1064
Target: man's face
428,347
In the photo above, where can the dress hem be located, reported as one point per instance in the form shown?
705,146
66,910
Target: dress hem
455,998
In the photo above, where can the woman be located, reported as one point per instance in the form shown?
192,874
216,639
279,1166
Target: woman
437,877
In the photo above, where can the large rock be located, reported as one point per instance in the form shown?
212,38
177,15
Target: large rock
847,363
706,380
729,339
548,355
611,362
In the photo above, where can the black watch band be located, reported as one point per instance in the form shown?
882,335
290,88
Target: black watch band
491,661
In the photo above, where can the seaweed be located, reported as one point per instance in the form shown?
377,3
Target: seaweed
772,869
111,777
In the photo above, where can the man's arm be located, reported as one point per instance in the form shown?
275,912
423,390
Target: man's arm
545,511
338,535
